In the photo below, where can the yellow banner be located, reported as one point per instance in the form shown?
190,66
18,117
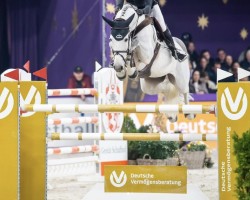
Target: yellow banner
9,141
233,117
146,179
33,143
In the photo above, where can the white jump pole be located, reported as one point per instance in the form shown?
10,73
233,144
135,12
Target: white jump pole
72,92
73,120
134,136
145,108
72,150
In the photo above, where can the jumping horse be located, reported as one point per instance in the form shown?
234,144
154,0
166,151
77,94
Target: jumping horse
138,51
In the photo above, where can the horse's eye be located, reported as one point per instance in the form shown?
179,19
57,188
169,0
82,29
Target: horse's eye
126,39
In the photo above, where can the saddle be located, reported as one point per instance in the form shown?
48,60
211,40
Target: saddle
150,20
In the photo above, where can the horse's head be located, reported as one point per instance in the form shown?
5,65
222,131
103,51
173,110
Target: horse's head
120,38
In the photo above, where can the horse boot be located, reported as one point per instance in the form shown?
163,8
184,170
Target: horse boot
170,43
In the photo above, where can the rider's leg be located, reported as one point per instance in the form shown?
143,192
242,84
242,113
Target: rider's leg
156,12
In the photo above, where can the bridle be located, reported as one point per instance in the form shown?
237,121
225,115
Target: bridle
120,52
130,37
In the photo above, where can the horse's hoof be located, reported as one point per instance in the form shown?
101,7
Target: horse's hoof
133,76
190,116
173,119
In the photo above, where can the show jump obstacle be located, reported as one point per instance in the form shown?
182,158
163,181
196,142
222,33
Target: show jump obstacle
175,109
134,136
23,172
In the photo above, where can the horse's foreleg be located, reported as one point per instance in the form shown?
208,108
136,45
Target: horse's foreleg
132,72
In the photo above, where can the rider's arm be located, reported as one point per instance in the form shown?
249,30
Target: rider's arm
148,6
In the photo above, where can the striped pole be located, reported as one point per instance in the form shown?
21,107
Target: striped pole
144,108
134,136
73,120
72,92
72,150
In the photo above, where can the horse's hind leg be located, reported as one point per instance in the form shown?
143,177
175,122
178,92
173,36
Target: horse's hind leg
186,101
171,97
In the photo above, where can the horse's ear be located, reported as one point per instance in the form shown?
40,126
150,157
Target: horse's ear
130,19
108,21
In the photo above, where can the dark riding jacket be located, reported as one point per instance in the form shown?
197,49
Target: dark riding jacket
144,5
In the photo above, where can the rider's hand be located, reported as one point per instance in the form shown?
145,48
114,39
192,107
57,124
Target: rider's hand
139,12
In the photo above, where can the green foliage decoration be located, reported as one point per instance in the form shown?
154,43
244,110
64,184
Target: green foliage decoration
242,153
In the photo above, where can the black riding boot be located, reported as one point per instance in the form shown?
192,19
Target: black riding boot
170,43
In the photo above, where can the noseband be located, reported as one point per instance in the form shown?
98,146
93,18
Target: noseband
119,52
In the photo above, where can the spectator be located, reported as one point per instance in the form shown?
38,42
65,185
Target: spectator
203,66
234,70
213,74
242,55
221,54
186,38
245,64
79,79
193,55
207,55
229,62
245,79
198,84
211,86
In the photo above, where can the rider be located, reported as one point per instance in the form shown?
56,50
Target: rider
148,7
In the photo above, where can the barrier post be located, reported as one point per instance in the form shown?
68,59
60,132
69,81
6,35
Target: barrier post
9,141
233,119
33,147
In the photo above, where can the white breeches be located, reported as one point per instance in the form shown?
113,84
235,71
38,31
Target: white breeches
156,12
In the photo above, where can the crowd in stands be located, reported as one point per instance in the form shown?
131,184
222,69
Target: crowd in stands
204,68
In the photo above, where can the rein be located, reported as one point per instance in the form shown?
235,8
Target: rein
146,72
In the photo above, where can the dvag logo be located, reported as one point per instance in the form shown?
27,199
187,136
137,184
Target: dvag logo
234,109
6,103
33,97
118,181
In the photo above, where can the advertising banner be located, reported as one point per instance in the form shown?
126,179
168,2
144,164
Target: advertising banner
33,148
203,123
9,141
110,91
234,140
146,179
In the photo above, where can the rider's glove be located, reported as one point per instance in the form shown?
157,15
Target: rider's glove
139,12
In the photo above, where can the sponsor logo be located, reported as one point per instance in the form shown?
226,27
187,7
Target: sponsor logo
118,37
33,94
233,112
6,97
118,181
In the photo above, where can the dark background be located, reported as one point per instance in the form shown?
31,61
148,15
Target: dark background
37,30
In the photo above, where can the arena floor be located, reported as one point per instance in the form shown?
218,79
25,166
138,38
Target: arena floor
70,188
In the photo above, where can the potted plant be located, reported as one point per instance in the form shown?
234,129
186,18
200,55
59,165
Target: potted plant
156,152
193,155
